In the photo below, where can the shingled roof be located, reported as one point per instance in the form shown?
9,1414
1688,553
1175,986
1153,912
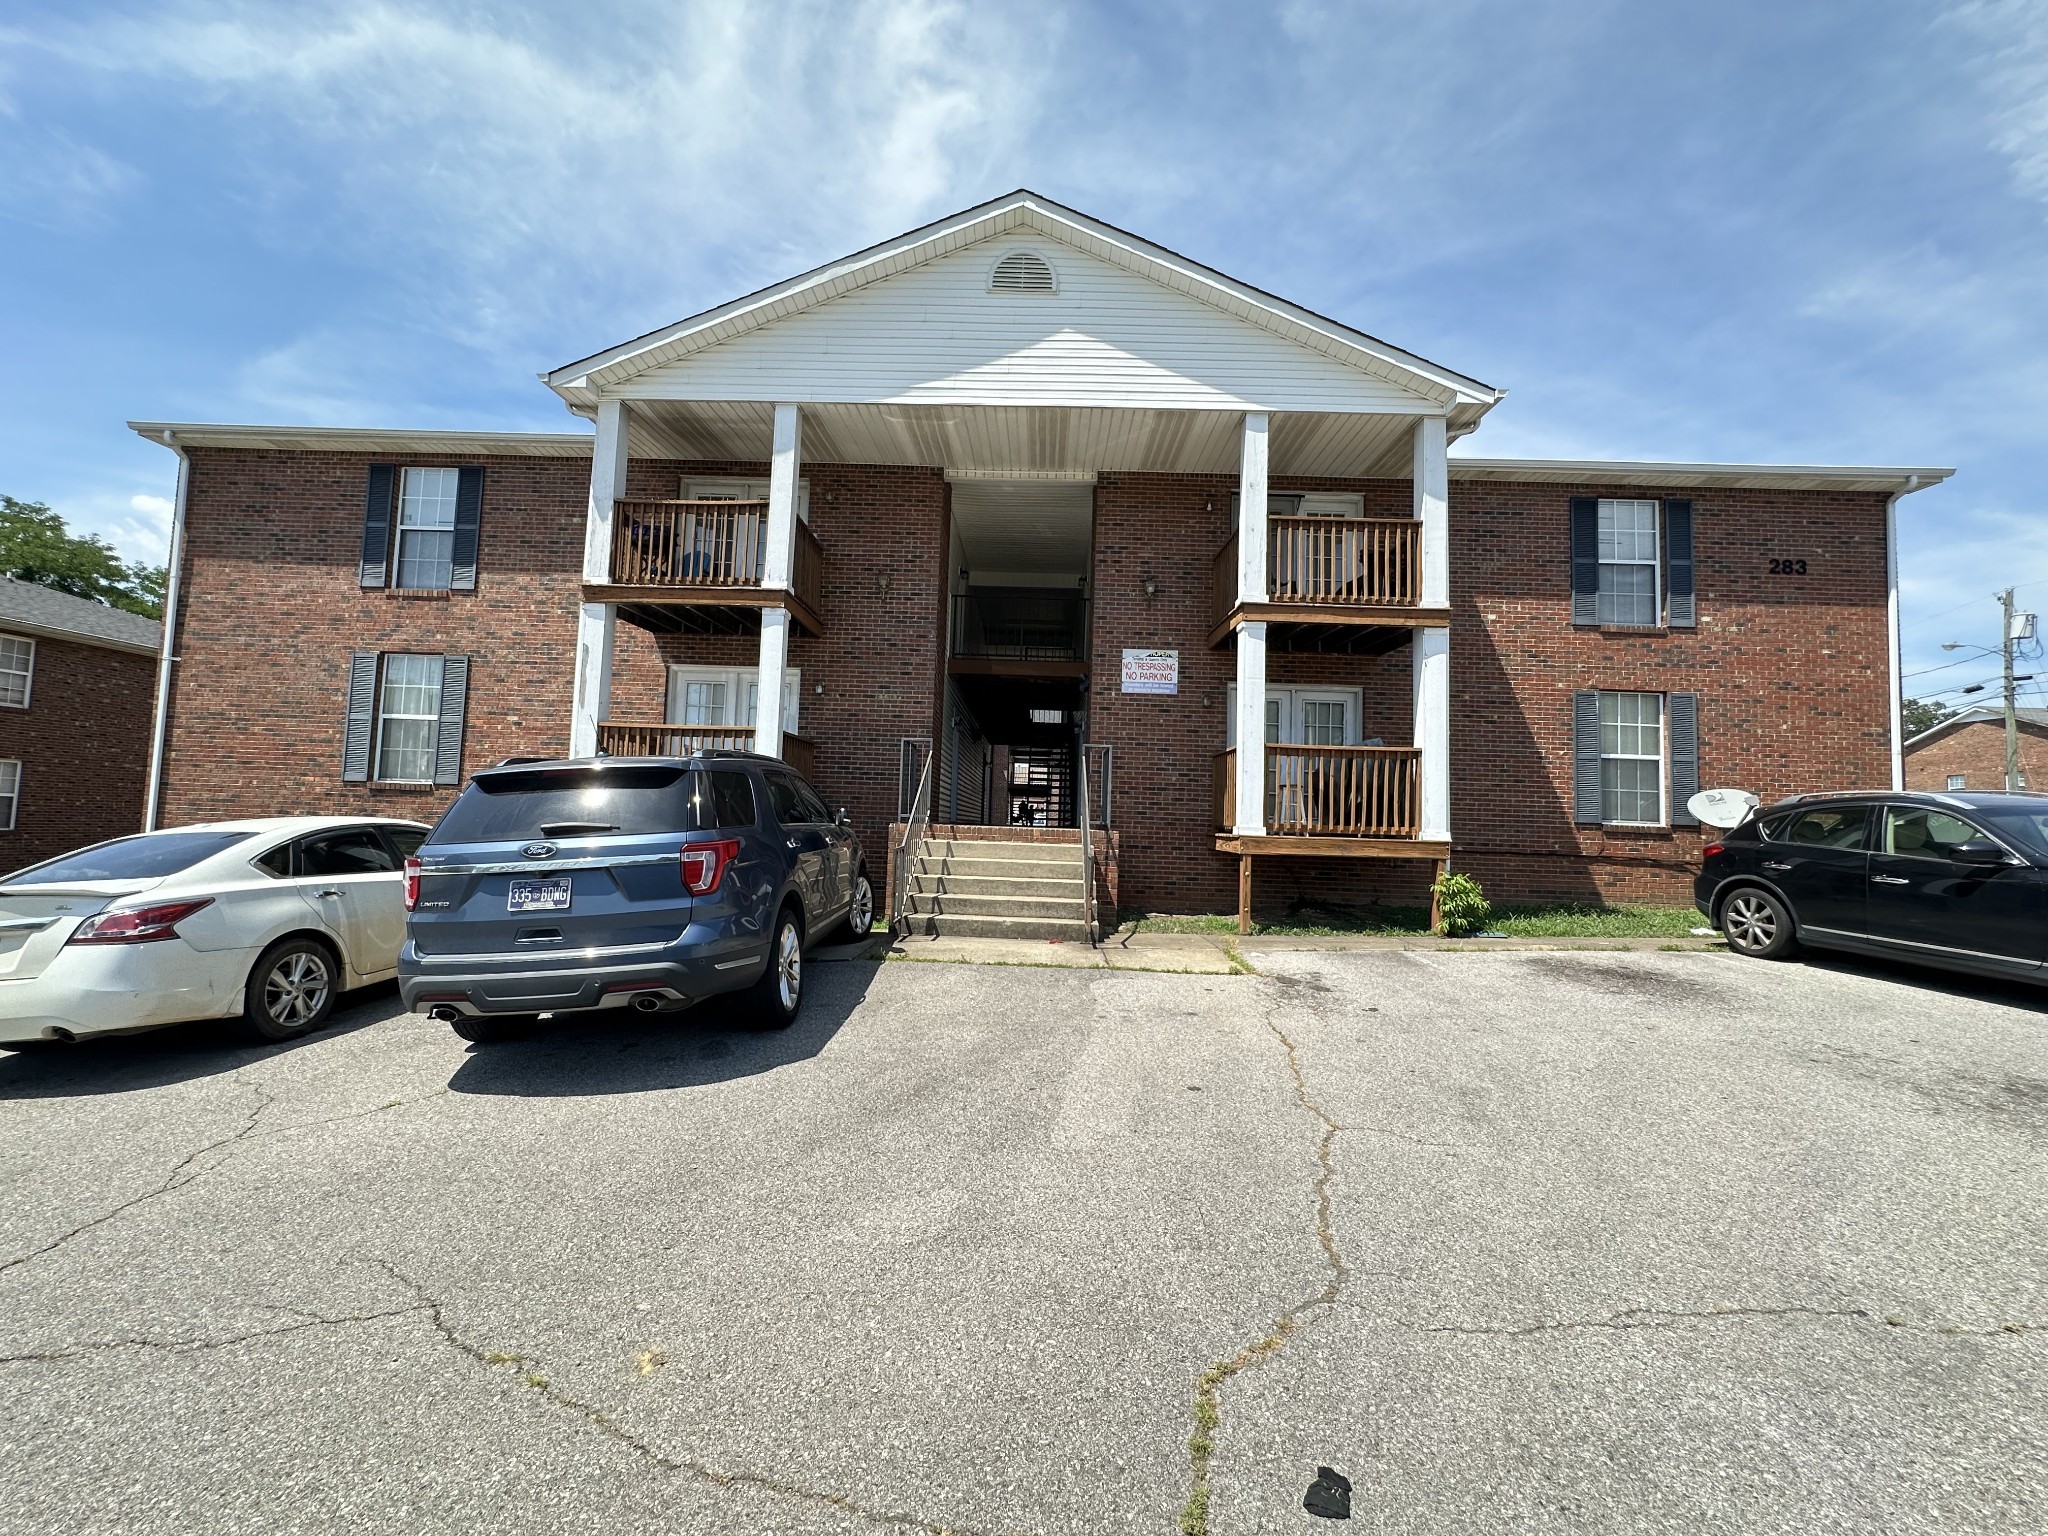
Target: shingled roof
37,610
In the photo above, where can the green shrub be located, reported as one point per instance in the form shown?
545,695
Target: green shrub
1461,906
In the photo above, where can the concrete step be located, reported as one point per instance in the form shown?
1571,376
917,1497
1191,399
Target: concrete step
952,905
1000,869
994,885
1073,930
975,848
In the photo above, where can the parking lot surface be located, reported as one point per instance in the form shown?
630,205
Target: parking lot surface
1568,1241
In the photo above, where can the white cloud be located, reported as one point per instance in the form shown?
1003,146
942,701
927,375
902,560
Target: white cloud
49,180
2014,70
151,506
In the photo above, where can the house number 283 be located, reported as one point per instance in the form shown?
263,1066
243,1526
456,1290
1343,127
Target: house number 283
1788,567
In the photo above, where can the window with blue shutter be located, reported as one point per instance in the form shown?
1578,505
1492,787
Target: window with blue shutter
374,568
1679,606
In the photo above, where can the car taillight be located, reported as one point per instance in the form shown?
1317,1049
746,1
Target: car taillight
137,925
704,864
1713,848
412,883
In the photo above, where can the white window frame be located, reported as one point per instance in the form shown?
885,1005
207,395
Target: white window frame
737,681
1957,781
1290,701
401,528
28,675
10,791
1655,562
377,743
1661,757
728,489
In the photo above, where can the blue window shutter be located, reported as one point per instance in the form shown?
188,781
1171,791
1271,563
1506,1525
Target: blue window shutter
469,501
1682,719
1585,560
454,706
1586,757
375,566
1680,609
362,717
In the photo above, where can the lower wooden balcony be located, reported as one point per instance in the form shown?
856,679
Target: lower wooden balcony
1347,802
697,567
624,738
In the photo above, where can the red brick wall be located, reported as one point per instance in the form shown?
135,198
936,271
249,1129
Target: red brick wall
1977,752
83,745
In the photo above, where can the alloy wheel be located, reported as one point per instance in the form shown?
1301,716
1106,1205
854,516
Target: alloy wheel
1750,923
862,917
296,989
789,966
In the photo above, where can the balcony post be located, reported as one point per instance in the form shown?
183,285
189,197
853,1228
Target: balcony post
597,623
1433,509
1433,731
1251,511
778,562
1248,816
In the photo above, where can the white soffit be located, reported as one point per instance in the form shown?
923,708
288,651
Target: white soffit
546,445
1034,527
1025,212
1766,477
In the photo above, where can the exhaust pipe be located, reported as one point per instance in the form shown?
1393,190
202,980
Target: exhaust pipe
647,1002
444,1014
59,1032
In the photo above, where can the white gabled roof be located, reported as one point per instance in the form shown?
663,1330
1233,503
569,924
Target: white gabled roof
1980,714
579,383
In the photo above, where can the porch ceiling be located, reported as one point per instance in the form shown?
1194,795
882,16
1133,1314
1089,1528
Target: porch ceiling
1025,441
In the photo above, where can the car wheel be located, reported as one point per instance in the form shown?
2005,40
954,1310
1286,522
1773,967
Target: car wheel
490,1028
860,917
291,991
1758,924
773,1001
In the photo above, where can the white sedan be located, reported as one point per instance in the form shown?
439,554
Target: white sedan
264,920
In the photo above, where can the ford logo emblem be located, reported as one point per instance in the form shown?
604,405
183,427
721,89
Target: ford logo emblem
537,851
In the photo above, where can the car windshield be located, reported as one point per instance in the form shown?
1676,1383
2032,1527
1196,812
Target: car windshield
570,802
2026,830
150,856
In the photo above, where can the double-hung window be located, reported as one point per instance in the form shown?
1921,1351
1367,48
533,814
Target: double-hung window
426,529
1628,563
10,792
1632,758
729,698
17,670
406,713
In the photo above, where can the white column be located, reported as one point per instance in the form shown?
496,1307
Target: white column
1893,653
1248,818
597,623
1432,649
1251,511
1433,509
778,559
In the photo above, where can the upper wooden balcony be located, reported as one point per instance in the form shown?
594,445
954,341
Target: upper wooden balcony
1332,583
696,566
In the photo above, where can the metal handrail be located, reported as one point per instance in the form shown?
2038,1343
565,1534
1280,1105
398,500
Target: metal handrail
1087,847
913,834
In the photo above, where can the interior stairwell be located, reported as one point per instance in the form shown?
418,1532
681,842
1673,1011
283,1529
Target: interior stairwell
997,890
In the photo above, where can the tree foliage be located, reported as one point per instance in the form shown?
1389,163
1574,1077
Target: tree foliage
1917,715
35,545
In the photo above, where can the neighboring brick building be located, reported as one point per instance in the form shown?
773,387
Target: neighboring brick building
77,680
933,498
1967,751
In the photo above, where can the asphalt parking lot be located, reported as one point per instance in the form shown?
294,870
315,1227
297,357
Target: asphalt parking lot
1513,1242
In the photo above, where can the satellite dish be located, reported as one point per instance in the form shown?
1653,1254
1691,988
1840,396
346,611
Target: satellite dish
1722,807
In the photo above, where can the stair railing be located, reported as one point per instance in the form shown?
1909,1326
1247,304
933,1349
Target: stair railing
1087,847
914,829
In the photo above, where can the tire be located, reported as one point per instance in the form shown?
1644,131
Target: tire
774,1001
860,917
1758,924
491,1028
291,990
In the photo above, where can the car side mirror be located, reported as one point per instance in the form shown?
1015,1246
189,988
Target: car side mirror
842,819
1978,850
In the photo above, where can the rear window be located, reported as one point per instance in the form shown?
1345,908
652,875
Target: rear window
150,856
570,802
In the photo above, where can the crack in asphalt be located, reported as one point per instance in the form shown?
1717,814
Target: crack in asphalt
201,1345
1208,1415
360,1114
184,1173
431,1308
1636,1319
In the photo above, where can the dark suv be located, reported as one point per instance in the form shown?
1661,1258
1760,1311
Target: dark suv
1955,880
552,888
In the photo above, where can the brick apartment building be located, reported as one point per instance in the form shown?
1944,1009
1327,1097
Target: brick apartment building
77,680
972,497
1967,750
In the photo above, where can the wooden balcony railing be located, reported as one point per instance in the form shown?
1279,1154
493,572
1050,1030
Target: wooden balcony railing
1362,562
1330,791
707,544
618,738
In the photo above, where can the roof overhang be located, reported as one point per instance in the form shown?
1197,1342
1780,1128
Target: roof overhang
581,382
544,445
1762,477
1979,714
14,626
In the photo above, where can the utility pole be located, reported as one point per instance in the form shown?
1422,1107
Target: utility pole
2012,719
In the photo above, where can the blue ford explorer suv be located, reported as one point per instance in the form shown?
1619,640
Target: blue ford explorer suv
554,888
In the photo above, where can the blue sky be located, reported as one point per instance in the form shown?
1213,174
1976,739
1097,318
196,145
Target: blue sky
1726,231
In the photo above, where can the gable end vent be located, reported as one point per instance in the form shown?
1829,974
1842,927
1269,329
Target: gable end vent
1023,272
